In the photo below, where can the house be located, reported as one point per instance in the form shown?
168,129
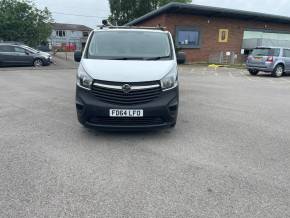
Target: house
68,37
218,35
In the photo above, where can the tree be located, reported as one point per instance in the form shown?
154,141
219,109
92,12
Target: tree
21,21
124,11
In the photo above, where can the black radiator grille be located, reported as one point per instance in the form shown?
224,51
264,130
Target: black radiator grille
118,96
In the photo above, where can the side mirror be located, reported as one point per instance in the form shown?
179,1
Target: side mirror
27,53
78,56
181,58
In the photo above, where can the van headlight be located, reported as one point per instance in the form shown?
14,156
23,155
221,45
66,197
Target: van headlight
170,81
83,79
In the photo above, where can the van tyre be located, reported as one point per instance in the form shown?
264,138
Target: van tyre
173,125
38,63
278,71
253,72
82,121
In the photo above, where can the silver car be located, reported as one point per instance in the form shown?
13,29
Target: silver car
272,60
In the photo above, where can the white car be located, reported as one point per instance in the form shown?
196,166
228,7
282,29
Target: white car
127,78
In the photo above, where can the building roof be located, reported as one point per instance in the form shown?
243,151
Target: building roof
210,12
66,26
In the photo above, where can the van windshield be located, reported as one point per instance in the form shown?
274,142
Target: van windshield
266,52
129,45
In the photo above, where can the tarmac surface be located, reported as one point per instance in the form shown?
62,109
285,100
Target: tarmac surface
228,156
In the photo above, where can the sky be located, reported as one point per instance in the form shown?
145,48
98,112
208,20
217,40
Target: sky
91,12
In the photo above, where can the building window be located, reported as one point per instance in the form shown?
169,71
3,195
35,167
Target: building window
223,35
60,33
85,34
265,38
187,37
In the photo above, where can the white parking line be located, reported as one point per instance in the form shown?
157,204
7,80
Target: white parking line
242,74
246,76
258,78
272,81
286,80
230,74
246,73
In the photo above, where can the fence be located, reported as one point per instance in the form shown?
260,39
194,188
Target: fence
68,46
225,58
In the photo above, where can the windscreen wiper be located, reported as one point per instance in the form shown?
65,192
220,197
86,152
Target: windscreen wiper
157,58
127,58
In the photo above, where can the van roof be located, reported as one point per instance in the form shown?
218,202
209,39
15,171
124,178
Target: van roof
130,28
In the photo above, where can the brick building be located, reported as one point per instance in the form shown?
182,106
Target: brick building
218,35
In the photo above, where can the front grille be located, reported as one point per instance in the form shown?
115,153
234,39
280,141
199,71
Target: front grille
119,97
127,121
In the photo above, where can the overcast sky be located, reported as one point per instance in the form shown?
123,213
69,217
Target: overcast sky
93,11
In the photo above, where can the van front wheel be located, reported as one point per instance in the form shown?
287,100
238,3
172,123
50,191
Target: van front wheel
173,125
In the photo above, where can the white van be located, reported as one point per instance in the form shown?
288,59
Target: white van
127,78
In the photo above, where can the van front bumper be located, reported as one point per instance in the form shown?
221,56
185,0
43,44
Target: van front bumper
158,113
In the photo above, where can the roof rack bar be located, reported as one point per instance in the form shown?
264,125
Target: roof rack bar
132,27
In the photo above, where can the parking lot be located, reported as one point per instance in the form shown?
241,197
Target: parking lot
228,156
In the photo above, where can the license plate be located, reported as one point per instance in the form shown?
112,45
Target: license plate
125,113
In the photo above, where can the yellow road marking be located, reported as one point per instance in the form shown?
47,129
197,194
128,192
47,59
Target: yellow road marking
249,78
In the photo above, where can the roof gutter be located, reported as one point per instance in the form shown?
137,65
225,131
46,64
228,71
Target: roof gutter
213,10
153,13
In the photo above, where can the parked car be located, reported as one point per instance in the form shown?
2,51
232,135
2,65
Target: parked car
128,79
269,59
21,55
